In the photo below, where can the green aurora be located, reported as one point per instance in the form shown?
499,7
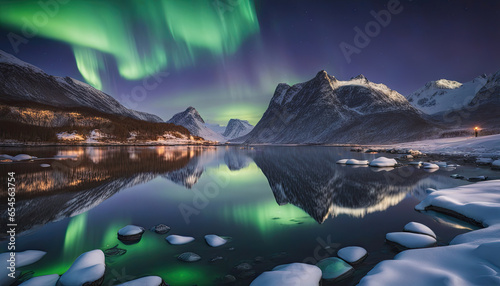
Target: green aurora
142,37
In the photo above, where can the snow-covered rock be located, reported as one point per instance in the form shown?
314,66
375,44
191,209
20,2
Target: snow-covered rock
484,161
21,259
441,164
178,239
417,227
415,163
130,232
44,165
334,268
342,161
87,268
428,165
214,240
411,240
294,274
22,157
495,164
471,258
145,281
45,280
383,162
356,162
352,254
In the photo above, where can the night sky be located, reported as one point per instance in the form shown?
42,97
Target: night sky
225,57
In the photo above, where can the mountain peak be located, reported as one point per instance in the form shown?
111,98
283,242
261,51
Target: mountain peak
236,128
360,77
443,84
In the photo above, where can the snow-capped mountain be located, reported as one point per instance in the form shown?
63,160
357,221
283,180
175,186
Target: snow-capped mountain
443,95
192,121
237,128
21,82
327,110
483,109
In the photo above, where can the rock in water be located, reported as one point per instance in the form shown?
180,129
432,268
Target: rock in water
189,257
214,240
383,162
411,240
130,233
352,254
178,239
160,228
334,268
356,162
115,251
495,165
294,274
416,227
428,165
342,161
146,281
22,157
477,178
88,269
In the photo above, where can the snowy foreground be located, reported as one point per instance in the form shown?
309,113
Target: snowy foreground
471,259
483,145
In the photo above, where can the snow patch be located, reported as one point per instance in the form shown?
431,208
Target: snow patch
178,239
383,162
214,240
472,258
417,227
411,240
294,274
87,268
352,254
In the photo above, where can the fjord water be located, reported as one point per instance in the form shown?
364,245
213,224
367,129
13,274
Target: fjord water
277,204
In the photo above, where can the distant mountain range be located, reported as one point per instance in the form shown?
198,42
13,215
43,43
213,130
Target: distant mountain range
462,105
319,111
192,121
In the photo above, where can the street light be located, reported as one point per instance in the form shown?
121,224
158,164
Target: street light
476,131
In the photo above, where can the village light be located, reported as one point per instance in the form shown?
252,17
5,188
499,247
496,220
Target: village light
476,131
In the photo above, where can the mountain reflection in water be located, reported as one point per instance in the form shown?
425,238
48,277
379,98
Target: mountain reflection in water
307,177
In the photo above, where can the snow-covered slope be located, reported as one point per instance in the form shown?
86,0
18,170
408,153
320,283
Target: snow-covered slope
191,119
237,128
20,82
327,110
443,95
482,145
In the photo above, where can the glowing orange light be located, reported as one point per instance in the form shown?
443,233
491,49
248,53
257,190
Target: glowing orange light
476,128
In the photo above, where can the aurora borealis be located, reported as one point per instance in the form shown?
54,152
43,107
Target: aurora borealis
225,57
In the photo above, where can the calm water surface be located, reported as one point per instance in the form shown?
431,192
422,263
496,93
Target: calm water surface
278,205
